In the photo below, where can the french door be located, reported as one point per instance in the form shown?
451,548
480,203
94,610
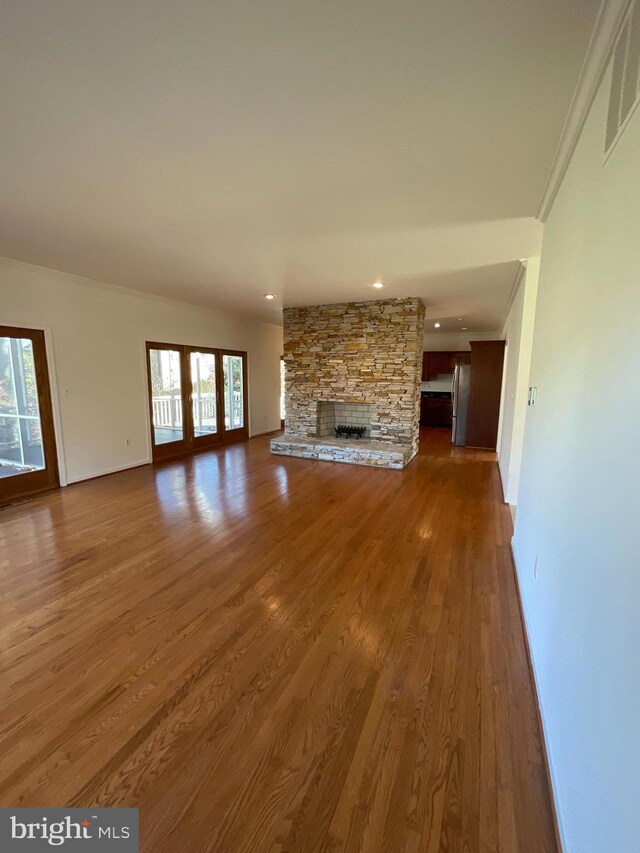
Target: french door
28,458
197,397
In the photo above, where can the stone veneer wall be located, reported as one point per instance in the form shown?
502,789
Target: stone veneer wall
356,352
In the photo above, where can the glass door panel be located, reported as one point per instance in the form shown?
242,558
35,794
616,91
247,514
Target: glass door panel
165,381
197,397
21,447
204,402
27,441
234,393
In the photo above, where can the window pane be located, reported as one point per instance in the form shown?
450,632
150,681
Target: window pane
32,443
166,395
10,446
203,385
233,391
21,448
8,403
27,388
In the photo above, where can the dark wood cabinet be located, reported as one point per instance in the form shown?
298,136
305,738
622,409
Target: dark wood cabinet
453,360
487,359
425,366
436,411
435,363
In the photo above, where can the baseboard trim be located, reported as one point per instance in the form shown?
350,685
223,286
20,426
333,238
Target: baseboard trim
266,432
536,693
106,473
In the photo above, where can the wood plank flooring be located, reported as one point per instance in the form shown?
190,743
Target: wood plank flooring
273,654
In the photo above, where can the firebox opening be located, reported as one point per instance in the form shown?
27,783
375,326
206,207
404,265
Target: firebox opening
344,420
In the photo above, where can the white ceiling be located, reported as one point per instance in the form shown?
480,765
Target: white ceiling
213,151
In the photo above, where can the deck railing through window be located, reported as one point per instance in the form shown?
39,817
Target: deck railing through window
167,411
204,411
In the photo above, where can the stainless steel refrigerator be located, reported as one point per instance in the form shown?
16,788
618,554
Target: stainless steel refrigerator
460,398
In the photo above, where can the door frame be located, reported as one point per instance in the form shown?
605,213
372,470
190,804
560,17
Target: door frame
169,449
190,443
35,482
202,442
282,388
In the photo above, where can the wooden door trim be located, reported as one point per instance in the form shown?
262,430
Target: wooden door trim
203,442
170,449
36,481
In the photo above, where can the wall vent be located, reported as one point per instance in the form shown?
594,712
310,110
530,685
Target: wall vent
625,77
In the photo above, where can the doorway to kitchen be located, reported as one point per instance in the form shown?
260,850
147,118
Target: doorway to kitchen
197,397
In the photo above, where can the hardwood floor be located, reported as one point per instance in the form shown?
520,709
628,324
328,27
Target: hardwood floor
268,653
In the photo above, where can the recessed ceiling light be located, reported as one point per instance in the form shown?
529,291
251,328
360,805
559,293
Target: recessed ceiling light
269,296
437,325
460,319
377,284
464,328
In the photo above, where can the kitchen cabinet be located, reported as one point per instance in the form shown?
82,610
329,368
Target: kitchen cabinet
456,358
487,358
453,360
433,364
436,363
425,366
436,411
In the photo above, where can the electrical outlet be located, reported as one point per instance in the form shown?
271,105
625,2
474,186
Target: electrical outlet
127,442
536,567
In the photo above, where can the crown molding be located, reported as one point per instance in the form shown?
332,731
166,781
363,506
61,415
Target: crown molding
522,268
595,63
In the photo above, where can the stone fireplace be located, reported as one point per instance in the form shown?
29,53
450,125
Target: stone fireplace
353,364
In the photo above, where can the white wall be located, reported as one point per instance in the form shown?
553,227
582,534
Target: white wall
511,331
518,334
578,501
456,341
96,346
